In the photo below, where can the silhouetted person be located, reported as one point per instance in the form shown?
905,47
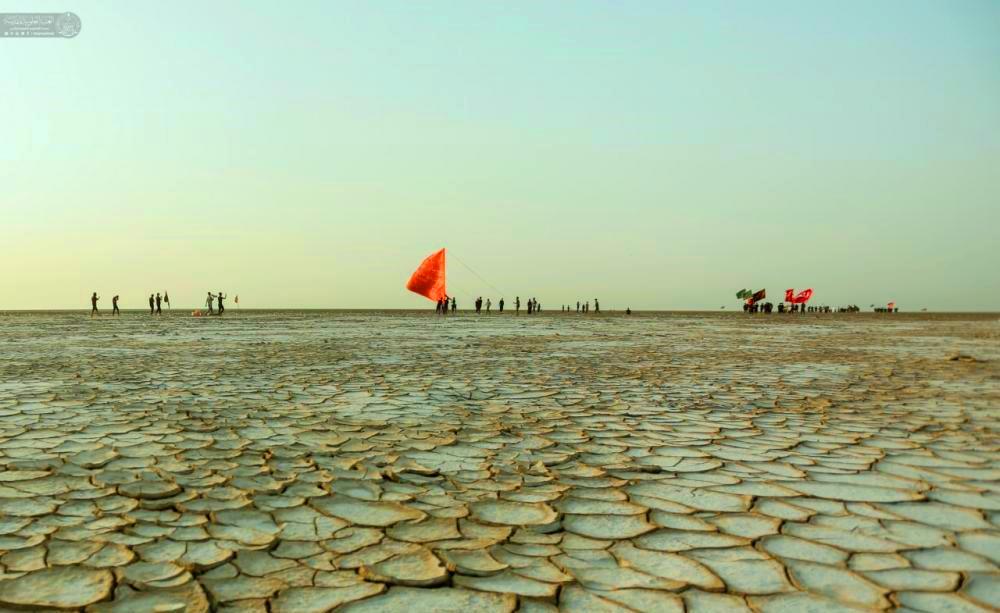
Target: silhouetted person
437,307
597,306
531,306
166,298
152,304
517,305
628,311
479,305
114,305
93,304
488,304
577,306
454,305
538,307
158,311
501,305
220,297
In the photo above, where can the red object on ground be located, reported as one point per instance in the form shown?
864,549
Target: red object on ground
428,279
803,296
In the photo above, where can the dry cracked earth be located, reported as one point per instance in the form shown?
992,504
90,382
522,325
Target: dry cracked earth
406,462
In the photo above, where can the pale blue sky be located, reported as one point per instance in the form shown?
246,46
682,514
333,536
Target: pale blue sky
653,154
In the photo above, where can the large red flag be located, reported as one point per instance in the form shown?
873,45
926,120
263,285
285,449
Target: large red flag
789,295
803,296
428,279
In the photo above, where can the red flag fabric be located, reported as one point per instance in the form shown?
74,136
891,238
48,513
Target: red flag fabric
789,295
428,279
803,296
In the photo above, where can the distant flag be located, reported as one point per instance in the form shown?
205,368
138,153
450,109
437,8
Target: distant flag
758,296
800,298
428,279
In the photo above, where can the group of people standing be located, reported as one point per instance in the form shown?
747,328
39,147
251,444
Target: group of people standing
443,303
767,307
155,302
489,303
584,307
533,306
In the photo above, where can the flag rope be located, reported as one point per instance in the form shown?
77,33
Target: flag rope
469,268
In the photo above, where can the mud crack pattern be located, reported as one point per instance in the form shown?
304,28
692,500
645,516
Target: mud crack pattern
404,462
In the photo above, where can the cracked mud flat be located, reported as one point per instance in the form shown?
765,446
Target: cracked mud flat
405,462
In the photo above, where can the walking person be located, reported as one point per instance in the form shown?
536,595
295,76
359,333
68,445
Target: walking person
220,297
158,310
454,305
597,306
577,306
93,304
479,304
501,304
517,305
437,307
152,308
488,303
166,298
114,305
208,303
531,306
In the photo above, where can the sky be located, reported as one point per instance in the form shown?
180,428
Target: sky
657,155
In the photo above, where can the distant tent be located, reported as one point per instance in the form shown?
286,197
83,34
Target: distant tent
428,279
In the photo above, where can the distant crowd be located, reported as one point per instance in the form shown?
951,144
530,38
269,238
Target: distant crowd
446,304
767,307
156,302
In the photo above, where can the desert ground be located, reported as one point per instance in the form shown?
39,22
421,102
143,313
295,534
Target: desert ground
367,461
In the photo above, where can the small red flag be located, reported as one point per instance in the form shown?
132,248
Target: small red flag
428,279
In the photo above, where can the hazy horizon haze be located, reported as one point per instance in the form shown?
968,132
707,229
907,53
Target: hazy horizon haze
654,155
